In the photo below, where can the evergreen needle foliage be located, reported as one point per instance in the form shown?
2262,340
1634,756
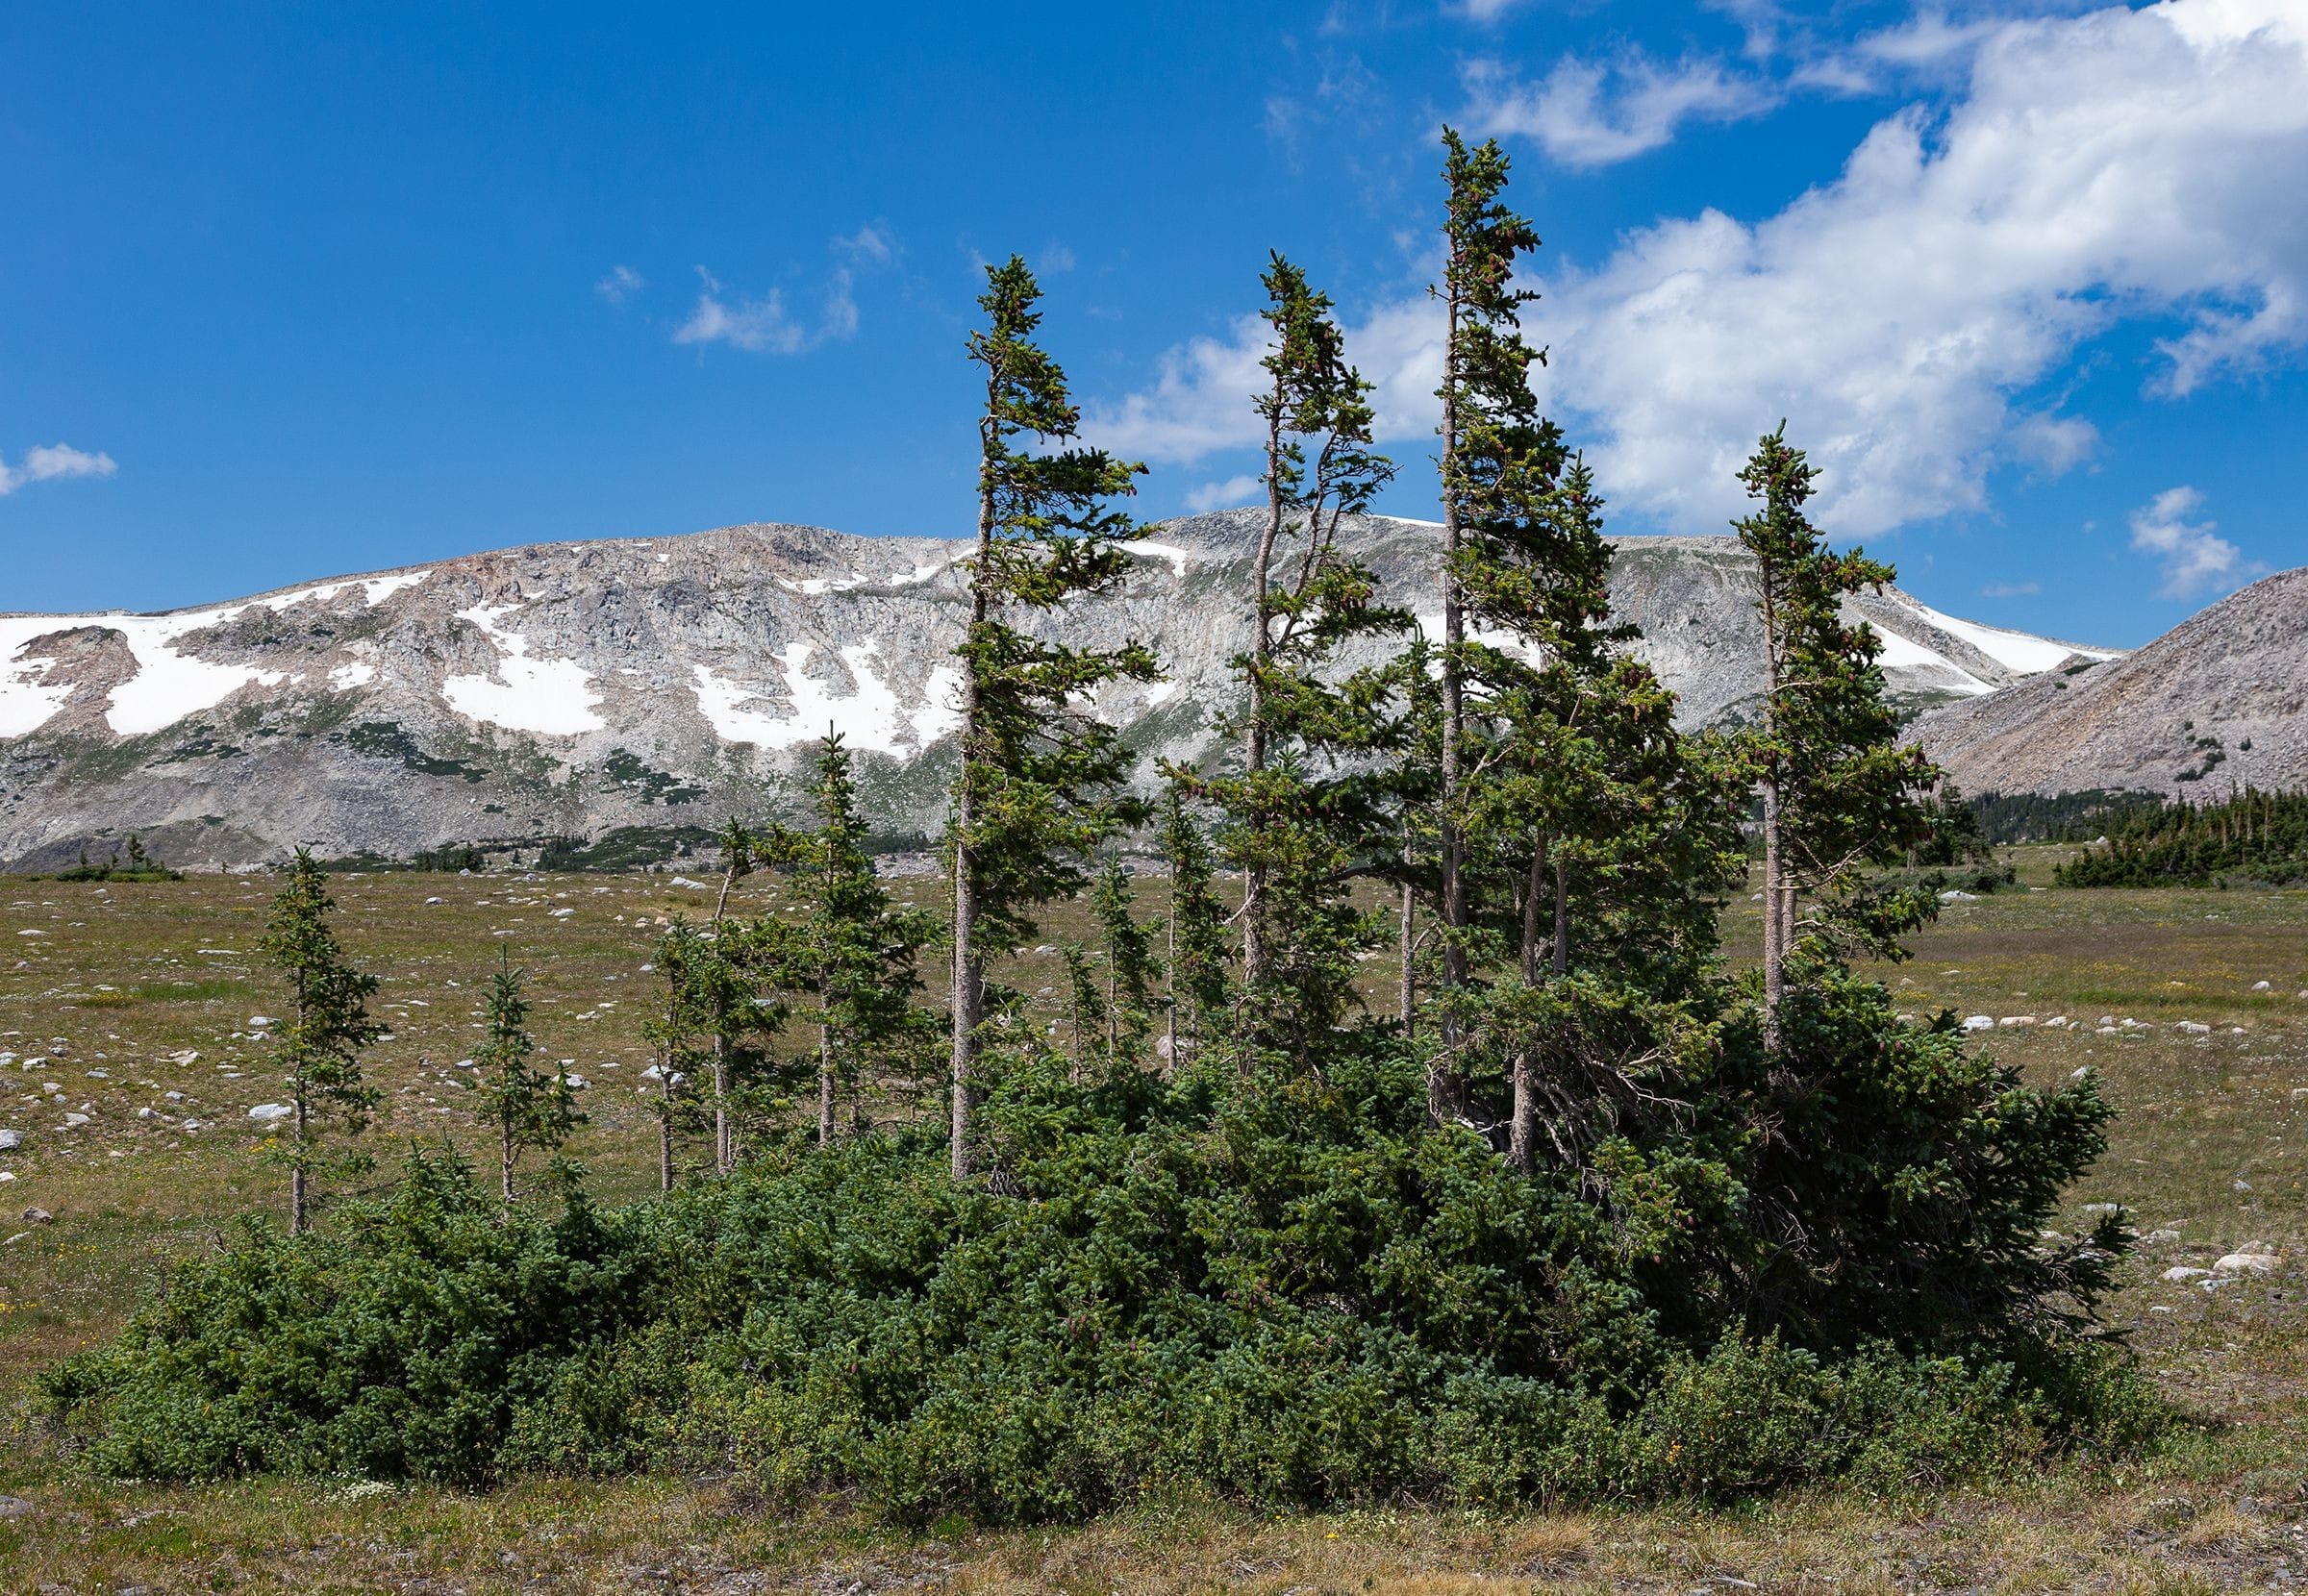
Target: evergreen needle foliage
327,1030
526,1108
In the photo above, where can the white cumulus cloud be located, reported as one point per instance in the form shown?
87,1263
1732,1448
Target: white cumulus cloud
52,463
2115,165
1231,494
1583,115
621,285
2195,560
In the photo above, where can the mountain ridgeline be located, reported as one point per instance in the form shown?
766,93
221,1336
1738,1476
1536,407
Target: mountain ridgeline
638,688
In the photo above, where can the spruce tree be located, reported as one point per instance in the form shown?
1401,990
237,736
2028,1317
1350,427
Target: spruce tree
1497,453
1197,929
1304,817
525,1105
673,1031
1132,969
1839,793
1319,468
1041,783
851,958
327,1031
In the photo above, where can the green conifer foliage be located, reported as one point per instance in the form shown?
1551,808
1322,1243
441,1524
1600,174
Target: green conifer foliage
1498,456
1306,815
526,1108
675,1030
1132,969
851,959
1840,794
1040,784
327,1030
1198,942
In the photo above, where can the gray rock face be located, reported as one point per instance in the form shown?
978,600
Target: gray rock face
575,689
2219,701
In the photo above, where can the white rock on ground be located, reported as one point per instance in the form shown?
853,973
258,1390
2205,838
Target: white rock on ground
2252,1258
1980,1022
265,1113
2179,1274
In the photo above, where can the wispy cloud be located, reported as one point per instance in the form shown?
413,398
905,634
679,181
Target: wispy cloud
762,324
2010,589
1585,115
621,285
2195,560
52,463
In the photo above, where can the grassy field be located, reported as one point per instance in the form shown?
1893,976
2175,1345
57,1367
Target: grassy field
130,1006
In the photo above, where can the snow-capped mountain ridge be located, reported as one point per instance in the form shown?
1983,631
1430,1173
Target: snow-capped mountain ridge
571,689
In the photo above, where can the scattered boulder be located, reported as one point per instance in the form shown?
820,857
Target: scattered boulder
2252,1258
2262,986
2194,1028
1979,1022
14,1506
2179,1274
2010,1020
11,1140
265,1113
38,1216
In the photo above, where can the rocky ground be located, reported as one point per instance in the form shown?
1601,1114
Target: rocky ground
2219,703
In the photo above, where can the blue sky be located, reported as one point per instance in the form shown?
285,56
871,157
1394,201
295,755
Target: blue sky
294,290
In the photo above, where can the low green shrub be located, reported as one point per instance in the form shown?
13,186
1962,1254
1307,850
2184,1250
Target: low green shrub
1292,1293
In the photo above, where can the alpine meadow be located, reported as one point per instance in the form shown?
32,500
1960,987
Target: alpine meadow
1453,1089
1569,1210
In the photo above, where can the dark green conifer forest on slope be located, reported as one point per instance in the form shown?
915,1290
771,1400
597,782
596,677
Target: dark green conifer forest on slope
1422,1145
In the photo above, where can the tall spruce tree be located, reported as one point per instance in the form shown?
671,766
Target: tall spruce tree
527,1108
1319,468
1041,783
852,956
1591,836
1306,815
1497,454
327,1031
1839,793
1198,928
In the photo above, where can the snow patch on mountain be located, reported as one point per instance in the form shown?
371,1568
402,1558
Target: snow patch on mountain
1900,653
551,697
867,717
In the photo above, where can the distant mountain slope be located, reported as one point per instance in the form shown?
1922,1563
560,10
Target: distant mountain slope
2215,703
571,689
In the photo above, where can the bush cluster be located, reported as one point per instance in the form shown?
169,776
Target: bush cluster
1286,1292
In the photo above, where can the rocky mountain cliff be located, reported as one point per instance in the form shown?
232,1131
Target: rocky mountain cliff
2218,702
571,689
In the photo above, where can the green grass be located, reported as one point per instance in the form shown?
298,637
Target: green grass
2209,1146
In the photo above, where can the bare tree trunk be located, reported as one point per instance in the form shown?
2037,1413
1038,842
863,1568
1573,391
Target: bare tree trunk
1170,1017
724,1158
505,1162
296,1170
1562,932
1523,1125
1407,993
968,1002
1775,947
665,1135
1254,727
825,1085
1445,1080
